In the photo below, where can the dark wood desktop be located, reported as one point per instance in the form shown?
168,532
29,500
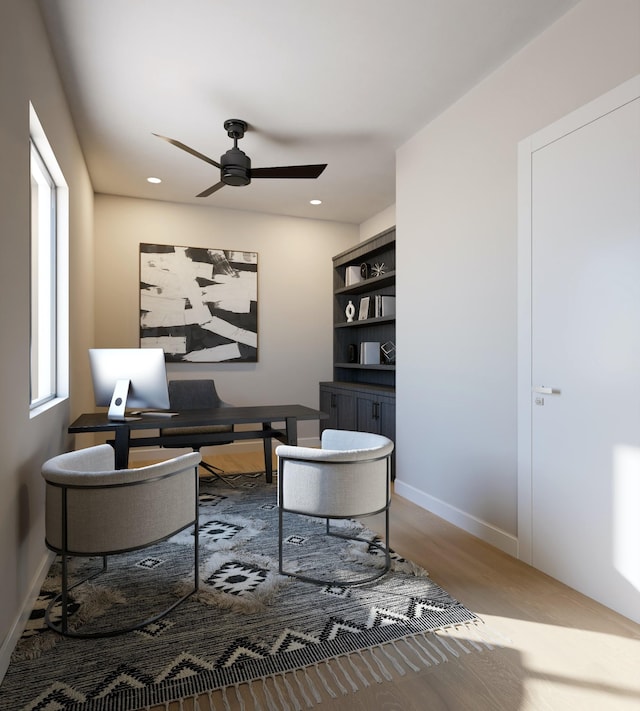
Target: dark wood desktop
267,416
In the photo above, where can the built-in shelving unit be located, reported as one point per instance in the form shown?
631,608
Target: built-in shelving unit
362,394
349,335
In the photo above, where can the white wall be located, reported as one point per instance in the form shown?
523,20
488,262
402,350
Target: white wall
456,257
27,73
294,291
378,223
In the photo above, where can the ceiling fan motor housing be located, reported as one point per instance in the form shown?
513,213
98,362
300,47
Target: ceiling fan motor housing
235,167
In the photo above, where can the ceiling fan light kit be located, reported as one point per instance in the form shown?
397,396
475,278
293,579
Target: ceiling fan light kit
236,167
235,164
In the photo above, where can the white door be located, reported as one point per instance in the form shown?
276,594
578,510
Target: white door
584,377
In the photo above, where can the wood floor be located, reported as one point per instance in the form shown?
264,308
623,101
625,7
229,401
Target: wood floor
556,649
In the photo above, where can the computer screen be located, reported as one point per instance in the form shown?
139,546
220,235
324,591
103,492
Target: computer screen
129,378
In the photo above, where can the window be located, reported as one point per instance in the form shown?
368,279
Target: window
43,281
49,239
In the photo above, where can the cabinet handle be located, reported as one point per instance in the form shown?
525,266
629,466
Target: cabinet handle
375,410
333,399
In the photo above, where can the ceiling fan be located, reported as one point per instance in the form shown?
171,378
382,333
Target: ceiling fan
235,164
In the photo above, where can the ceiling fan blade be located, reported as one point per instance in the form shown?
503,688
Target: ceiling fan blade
211,190
289,171
193,152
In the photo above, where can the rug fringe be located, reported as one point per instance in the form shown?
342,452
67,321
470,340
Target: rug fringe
491,637
312,686
396,664
327,688
384,671
374,675
302,691
297,690
361,677
341,687
284,705
271,705
292,696
256,704
211,704
445,644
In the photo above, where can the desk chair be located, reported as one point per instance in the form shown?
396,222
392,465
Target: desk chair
197,395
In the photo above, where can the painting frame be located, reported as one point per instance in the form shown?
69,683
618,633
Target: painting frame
199,304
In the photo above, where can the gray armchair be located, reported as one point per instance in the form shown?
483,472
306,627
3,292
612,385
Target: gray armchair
93,509
349,477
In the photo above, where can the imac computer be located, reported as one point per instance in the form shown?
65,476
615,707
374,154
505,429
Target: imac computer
129,378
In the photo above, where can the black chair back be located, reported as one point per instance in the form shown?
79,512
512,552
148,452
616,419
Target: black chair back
193,395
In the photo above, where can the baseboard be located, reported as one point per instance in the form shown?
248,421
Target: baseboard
141,454
21,620
477,527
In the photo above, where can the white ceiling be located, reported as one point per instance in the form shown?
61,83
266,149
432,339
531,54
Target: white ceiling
342,82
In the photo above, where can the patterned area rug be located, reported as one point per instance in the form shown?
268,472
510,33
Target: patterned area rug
247,625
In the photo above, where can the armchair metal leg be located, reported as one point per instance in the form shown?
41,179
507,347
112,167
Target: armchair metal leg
63,597
382,547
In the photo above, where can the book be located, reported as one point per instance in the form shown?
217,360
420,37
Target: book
384,306
370,353
352,276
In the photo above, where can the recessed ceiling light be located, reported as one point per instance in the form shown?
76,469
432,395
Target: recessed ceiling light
154,180
316,202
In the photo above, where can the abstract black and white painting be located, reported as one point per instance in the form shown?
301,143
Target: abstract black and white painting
199,304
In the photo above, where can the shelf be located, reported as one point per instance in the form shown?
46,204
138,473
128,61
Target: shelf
359,387
359,366
365,322
368,284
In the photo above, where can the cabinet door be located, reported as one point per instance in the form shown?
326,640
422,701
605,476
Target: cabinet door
326,405
368,417
346,405
388,419
377,414
340,406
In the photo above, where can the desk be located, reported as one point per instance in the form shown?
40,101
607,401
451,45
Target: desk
265,415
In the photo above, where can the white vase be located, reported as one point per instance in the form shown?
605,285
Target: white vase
350,312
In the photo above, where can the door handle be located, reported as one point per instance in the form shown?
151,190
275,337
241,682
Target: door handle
543,390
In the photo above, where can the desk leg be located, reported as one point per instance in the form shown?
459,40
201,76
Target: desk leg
268,455
122,447
292,430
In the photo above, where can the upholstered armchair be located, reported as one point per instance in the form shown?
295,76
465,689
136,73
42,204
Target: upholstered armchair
93,509
348,477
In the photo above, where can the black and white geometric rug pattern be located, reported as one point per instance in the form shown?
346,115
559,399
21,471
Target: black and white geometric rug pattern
246,623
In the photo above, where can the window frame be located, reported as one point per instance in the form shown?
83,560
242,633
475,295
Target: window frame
43,348
49,249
